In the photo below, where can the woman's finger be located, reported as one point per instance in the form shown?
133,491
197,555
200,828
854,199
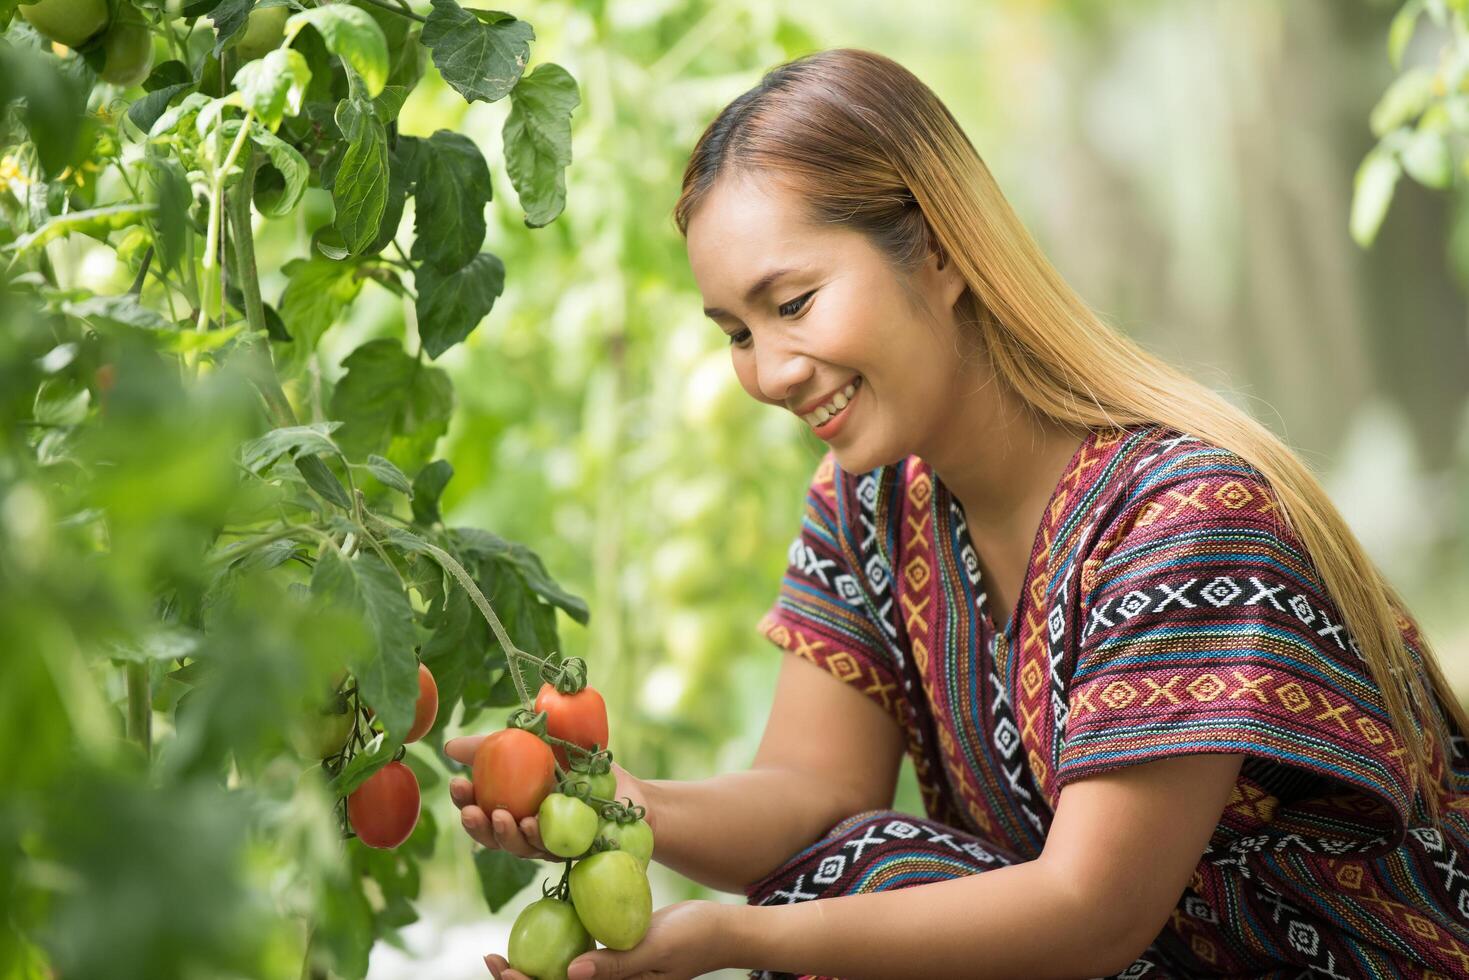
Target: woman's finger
478,826
461,791
509,835
462,749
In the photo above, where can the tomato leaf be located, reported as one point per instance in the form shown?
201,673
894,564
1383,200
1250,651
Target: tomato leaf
378,752
257,454
359,188
482,544
453,187
116,311
387,675
166,81
502,875
428,487
450,306
386,396
1377,177
170,190
321,479
96,222
480,53
351,34
388,474
537,138
274,85
293,170
229,17
318,291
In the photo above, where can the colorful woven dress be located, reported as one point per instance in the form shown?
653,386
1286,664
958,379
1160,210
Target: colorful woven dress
1166,610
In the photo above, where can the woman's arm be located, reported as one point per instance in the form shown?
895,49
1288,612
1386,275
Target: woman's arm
1119,853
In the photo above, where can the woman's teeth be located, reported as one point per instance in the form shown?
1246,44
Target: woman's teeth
837,403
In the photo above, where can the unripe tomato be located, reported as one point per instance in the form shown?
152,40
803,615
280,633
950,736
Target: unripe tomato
515,770
612,898
264,29
579,718
635,838
546,937
321,734
72,22
127,50
384,810
427,708
568,826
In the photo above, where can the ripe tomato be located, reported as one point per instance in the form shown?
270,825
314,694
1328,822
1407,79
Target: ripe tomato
127,50
72,22
264,29
427,708
579,718
384,810
545,938
612,898
568,826
513,769
635,838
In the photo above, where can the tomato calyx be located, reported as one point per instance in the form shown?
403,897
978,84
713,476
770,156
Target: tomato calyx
569,676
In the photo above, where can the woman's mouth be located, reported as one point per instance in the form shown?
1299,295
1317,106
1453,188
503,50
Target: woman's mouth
829,418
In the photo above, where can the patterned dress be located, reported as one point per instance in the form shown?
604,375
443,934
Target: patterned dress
1166,610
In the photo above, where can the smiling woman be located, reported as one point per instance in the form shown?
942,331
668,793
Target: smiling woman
1203,733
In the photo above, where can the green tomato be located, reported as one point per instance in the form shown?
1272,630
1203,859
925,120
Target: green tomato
604,785
546,937
128,53
568,826
635,838
72,22
612,898
322,734
264,29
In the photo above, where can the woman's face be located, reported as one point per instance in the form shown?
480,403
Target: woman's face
837,322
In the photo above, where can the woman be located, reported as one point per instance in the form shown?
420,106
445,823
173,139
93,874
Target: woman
1167,718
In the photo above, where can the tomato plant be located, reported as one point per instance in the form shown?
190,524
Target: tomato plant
513,769
612,898
384,809
577,716
546,937
230,502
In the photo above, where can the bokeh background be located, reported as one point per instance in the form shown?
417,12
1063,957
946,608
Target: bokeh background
1187,165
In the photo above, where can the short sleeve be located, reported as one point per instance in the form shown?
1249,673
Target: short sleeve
821,611
1205,630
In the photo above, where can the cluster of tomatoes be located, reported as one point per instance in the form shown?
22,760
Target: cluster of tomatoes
604,896
556,769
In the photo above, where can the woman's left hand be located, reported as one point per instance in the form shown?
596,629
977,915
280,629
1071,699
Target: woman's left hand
684,940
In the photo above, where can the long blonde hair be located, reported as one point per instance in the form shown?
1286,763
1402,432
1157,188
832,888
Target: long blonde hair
866,145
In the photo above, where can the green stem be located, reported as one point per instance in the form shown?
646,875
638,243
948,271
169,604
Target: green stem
402,10
140,707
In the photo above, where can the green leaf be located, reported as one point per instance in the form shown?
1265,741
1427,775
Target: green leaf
229,17
360,186
166,81
537,139
389,475
453,187
96,222
317,293
352,35
369,759
483,545
502,875
160,643
319,477
257,454
428,487
1427,160
1400,32
1372,193
1407,96
402,164
387,396
450,306
274,85
293,170
55,104
116,311
480,53
387,674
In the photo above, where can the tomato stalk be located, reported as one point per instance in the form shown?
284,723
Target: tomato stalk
140,707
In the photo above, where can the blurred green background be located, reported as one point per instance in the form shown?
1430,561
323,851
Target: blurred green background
1187,165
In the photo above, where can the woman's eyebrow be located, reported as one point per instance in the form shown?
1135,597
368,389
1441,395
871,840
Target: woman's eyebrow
759,286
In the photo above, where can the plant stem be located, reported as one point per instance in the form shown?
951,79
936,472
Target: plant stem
402,10
140,707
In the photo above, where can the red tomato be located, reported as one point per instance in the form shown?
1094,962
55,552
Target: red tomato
384,810
427,708
579,718
513,769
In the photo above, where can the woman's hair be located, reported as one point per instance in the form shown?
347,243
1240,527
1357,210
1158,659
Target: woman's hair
866,145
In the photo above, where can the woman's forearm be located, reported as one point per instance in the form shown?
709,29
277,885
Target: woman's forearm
731,830
1016,921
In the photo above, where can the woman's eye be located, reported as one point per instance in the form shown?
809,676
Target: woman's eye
739,339
795,305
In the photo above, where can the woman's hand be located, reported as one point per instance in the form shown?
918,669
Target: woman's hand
685,940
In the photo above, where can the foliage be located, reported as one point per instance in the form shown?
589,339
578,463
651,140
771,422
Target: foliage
199,541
